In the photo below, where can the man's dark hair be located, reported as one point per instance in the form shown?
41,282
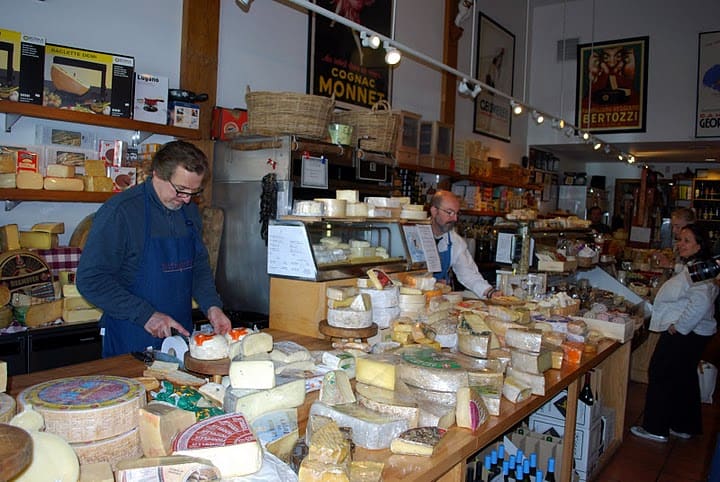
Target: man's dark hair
178,153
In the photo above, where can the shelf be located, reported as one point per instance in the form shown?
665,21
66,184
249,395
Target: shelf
15,110
473,212
461,177
17,195
705,200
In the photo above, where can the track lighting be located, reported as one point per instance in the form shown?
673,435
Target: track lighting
516,108
244,4
607,148
630,158
372,41
585,136
392,55
597,145
539,118
620,157
467,88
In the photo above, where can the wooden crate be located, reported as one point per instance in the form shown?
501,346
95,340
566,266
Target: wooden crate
436,144
408,139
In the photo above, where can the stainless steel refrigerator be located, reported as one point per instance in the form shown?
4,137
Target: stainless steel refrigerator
238,169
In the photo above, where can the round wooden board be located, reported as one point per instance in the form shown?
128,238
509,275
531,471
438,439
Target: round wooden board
505,301
334,332
15,451
207,367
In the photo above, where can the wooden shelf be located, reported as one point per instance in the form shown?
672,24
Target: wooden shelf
54,196
473,212
15,110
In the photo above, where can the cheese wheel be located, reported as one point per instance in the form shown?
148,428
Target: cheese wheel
334,208
111,450
7,407
208,346
87,408
29,180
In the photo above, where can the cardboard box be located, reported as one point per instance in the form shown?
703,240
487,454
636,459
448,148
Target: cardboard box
184,114
27,161
67,156
588,440
555,409
88,80
122,177
227,123
112,152
621,332
558,266
22,58
150,98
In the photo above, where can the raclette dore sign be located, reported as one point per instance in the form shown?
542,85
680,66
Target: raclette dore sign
338,64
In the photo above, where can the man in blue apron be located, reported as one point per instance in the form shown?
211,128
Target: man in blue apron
144,259
452,248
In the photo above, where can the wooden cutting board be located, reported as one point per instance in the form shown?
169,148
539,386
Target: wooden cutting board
15,451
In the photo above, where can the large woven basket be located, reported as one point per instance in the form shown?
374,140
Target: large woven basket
274,113
376,129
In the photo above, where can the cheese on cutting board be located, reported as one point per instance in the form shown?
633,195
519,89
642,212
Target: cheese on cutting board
336,388
253,374
289,393
470,411
349,318
208,346
370,429
173,468
226,440
87,408
418,441
159,424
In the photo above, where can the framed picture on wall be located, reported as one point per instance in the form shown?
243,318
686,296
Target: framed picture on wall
495,62
612,86
338,64
707,114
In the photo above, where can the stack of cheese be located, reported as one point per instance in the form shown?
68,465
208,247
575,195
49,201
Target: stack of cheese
40,236
75,308
415,293
384,295
385,207
353,206
328,456
100,420
414,212
8,168
95,178
408,332
333,208
60,177
348,308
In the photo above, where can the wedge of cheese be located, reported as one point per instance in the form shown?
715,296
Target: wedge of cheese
289,393
159,423
418,441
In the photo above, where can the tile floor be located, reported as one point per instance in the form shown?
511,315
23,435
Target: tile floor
639,460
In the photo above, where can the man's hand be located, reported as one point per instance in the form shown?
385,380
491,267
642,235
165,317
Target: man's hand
219,321
160,325
496,294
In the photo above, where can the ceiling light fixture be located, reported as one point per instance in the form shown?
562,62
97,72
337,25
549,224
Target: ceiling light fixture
620,157
630,159
466,88
244,4
392,55
607,148
539,118
597,145
585,136
368,40
516,107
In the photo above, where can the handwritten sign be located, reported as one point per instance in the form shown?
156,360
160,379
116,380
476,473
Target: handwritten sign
289,252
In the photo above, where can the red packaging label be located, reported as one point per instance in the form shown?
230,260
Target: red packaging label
27,161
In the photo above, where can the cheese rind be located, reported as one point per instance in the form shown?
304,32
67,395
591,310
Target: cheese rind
328,445
379,371
159,423
349,318
289,393
54,228
97,183
253,374
38,240
417,441
9,237
470,411
336,388
29,180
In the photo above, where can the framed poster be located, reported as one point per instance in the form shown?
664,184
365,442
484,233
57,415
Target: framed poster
612,86
338,64
707,122
495,63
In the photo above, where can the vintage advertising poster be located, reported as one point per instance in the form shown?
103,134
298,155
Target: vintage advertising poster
612,86
338,64
707,123
495,62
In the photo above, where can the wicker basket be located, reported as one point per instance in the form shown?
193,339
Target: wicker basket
274,113
566,310
376,129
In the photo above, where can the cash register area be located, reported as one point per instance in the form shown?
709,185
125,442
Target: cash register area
678,460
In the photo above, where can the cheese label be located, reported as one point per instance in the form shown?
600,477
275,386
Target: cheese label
82,392
229,429
429,358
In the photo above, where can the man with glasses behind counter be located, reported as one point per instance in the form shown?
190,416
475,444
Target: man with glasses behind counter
144,260
452,248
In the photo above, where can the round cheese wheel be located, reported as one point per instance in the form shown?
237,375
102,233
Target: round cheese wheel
111,450
88,408
208,346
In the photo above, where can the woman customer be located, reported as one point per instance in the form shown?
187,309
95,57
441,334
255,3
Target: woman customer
683,314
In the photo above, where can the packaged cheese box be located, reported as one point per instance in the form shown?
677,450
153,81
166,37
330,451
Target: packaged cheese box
21,71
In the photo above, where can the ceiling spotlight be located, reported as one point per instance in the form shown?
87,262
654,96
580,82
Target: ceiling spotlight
607,148
466,88
630,159
569,131
516,108
585,136
597,145
561,124
620,157
392,55
244,4
539,118
368,40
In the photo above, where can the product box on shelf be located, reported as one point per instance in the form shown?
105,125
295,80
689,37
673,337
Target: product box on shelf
67,156
556,407
88,81
22,59
588,440
150,98
408,139
227,123
122,177
112,152
621,332
184,114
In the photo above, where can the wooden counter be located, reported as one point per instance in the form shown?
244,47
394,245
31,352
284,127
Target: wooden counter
448,464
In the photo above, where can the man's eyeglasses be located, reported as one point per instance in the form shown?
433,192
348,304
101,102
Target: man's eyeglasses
449,212
185,194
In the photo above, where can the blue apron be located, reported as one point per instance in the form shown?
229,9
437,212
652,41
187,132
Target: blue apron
164,279
445,261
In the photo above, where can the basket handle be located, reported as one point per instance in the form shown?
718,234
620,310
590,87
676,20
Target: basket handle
381,106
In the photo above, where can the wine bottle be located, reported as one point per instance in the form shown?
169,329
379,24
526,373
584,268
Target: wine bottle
586,395
533,464
538,476
506,471
550,475
487,472
501,454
